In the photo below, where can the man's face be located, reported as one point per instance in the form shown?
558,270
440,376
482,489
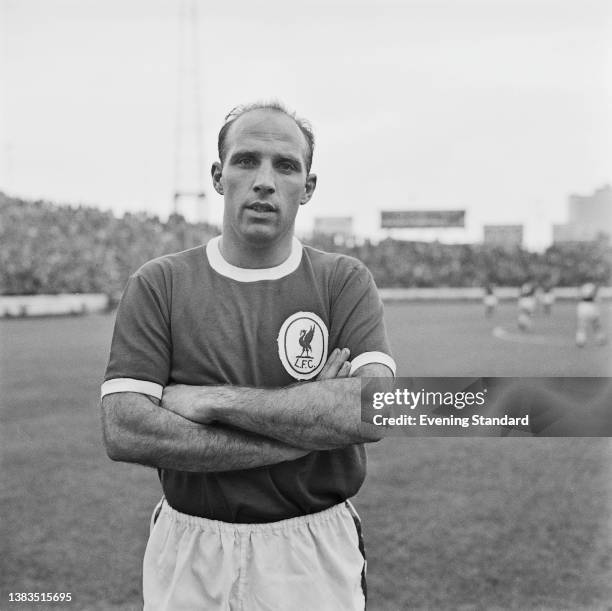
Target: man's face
263,178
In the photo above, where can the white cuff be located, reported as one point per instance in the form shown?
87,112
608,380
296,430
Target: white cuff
365,358
131,385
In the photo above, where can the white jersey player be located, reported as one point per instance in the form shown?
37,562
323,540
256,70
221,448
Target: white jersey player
526,306
547,299
489,300
588,316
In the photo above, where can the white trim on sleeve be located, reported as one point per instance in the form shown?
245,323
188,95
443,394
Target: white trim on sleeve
365,358
131,385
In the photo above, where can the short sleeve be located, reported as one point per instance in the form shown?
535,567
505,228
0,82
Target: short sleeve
141,346
357,319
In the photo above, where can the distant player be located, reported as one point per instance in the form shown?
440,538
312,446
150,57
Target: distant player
547,298
588,316
526,306
489,300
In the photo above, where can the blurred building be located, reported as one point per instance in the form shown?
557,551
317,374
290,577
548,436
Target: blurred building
340,228
404,219
590,218
424,225
506,236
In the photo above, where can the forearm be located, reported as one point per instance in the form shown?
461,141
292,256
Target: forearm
318,415
139,431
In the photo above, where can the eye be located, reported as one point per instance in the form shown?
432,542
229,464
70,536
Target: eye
246,162
286,166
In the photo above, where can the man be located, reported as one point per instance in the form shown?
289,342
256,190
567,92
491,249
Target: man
588,316
526,306
547,298
229,372
490,299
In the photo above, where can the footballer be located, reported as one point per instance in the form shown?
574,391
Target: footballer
234,372
588,316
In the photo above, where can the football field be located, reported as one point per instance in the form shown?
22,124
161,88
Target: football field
508,523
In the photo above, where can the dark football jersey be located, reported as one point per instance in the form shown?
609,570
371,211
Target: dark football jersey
192,318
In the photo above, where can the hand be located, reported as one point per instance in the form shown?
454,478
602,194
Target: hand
337,365
558,413
188,402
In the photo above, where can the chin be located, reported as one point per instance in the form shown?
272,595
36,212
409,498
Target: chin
261,235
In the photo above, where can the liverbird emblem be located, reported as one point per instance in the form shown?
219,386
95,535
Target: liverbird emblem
302,345
305,339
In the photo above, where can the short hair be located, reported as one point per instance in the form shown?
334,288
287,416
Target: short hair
237,112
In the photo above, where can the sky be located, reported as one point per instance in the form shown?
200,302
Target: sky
498,107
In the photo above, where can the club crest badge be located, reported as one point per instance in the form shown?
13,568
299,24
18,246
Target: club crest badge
302,345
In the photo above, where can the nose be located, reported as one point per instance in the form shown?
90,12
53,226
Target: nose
264,179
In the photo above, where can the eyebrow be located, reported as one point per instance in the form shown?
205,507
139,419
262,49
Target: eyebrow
243,153
279,157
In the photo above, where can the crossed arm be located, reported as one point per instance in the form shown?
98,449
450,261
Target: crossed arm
137,430
220,428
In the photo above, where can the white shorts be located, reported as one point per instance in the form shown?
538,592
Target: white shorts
587,311
490,301
313,562
527,305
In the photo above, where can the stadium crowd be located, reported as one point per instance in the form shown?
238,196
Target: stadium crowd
396,263
48,248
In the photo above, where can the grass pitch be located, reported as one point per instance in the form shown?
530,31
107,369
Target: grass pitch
513,523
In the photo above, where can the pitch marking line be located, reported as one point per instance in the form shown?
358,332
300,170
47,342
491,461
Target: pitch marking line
526,338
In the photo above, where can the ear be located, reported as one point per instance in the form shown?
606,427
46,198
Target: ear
309,188
216,171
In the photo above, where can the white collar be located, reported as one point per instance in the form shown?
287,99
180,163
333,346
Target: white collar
242,274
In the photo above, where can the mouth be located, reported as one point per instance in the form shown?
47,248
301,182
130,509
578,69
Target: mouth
261,207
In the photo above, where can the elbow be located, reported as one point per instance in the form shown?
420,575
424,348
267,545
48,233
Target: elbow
370,433
115,452
113,435
114,449
111,438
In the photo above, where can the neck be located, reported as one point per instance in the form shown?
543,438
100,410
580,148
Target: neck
255,255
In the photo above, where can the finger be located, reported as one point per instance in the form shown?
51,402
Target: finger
327,371
340,362
344,370
334,363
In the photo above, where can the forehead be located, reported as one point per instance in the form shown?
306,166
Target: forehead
269,130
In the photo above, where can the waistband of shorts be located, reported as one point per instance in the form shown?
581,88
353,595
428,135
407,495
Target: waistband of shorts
345,508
